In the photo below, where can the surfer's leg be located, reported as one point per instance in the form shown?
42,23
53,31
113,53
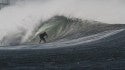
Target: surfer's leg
44,40
40,41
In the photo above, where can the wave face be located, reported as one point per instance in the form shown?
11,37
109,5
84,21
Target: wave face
60,28
64,28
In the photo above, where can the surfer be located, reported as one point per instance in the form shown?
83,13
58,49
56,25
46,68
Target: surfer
42,37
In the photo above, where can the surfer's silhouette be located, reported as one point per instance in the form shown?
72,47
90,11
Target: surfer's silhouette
42,37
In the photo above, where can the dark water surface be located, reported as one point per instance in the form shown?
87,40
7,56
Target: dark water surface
105,54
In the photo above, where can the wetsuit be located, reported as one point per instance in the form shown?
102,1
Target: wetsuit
42,37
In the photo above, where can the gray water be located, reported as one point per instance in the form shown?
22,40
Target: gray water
103,54
75,41
99,48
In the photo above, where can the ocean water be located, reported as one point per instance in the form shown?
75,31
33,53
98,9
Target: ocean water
73,43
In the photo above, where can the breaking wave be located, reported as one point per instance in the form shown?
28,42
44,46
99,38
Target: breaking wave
22,23
73,42
61,29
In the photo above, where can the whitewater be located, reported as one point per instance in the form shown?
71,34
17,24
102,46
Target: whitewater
78,37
